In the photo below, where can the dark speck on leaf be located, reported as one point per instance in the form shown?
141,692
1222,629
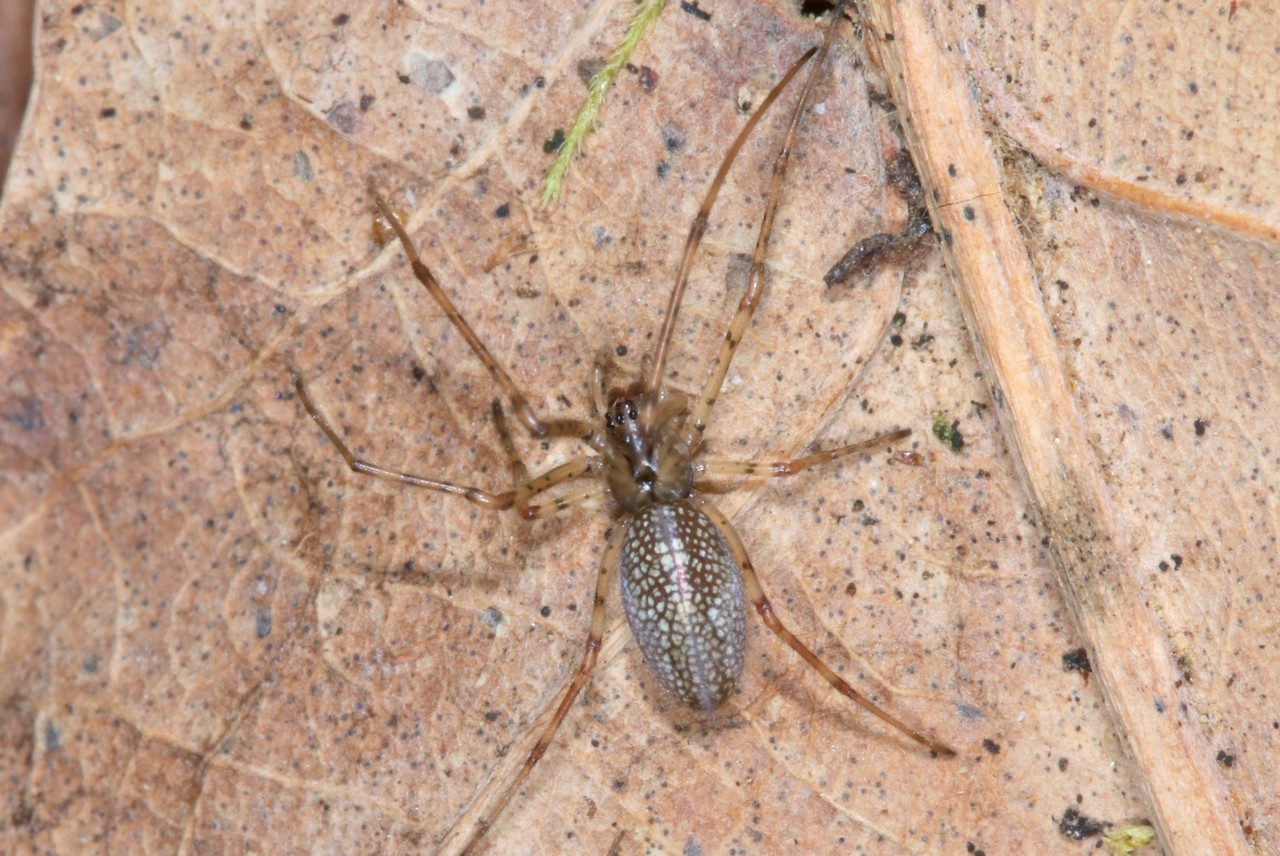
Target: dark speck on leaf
262,622
344,117
672,139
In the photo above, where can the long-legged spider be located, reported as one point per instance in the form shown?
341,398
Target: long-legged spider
684,570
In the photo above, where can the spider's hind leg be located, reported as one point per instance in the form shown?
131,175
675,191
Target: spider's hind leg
755,593
595,636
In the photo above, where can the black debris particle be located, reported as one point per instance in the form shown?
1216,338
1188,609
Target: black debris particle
1077,661
553,145
1079,826
1226,759
992,747
690,7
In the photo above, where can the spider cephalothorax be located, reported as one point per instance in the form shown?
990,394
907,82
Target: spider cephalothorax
647,459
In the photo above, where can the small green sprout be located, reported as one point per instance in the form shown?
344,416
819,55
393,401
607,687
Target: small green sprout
947,431
646,14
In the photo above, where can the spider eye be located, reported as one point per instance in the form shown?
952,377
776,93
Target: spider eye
631,412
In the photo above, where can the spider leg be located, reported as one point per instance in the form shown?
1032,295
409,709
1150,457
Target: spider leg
594,636
599,397
778,469
526,487
653,371
696,426
560,503
765,609
534,424
475,495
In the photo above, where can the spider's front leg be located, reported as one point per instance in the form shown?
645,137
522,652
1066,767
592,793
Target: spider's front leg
517,497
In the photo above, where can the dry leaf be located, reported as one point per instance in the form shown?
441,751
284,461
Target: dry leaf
216,637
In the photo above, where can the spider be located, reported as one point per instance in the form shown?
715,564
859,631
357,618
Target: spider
685,575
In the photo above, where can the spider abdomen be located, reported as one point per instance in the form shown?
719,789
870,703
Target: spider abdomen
682,591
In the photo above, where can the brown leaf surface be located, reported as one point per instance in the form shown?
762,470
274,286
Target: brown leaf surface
217,638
